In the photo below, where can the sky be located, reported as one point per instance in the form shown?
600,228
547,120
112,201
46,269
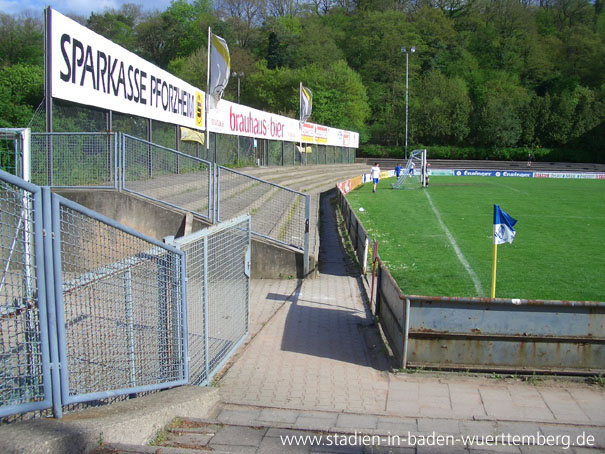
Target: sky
78,7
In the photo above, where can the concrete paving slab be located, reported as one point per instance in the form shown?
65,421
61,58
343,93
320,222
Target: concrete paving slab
239,436
494,449
238,415
396,426
356,421
189,440
317,421
275,445
271,415
439,426
441,450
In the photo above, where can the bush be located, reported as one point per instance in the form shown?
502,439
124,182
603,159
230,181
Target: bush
478,153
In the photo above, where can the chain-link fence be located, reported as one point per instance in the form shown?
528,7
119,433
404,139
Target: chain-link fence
150,170
278,213
218,260
24,348
75,159
12,142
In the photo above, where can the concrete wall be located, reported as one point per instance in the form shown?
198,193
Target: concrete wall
269,261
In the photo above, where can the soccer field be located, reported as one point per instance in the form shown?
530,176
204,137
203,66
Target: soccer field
438,241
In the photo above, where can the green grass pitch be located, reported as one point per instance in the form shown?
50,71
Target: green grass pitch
558,252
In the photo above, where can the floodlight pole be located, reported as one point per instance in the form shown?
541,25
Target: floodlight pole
407,54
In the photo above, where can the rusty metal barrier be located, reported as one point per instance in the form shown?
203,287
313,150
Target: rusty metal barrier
504,334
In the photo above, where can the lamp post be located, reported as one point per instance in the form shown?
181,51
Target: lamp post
407,54
239,76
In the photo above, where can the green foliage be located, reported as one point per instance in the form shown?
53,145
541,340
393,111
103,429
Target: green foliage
21,41
21,88
443,108
339,97
503,75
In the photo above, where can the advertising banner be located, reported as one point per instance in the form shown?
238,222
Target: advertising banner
239,120
308,132
584,176
321,135
341,138
492,173
88,68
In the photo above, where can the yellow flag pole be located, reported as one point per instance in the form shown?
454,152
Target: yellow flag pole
494,264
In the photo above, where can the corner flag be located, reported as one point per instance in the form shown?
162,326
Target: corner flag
503,233
503,226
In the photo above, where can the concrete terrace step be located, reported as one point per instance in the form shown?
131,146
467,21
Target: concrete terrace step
282,174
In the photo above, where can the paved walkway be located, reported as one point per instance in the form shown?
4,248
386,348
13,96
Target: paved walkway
318,360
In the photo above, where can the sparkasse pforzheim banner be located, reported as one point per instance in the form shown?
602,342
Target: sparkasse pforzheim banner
87,68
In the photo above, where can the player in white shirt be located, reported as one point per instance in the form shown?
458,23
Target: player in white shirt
375,174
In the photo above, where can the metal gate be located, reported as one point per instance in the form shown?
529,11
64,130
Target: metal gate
89,309
218,294
25,383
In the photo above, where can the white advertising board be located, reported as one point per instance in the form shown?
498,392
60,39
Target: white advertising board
88,68
236,119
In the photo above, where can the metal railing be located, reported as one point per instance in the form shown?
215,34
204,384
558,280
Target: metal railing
25,383
149,170
218,272
278,213
91,309
182,181
121,307
15,146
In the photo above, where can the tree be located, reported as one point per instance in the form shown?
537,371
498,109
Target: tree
117,25
243,16
21,90
283,8
498,101
176,32
21,40
274,57
339,97
442,112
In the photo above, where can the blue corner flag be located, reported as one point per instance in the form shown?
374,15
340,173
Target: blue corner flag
503,226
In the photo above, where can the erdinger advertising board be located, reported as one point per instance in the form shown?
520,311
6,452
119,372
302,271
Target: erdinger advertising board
88,68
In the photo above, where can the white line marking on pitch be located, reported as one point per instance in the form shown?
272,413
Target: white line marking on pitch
476,281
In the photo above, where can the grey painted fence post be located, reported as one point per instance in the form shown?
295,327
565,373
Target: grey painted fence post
307,222
406,334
